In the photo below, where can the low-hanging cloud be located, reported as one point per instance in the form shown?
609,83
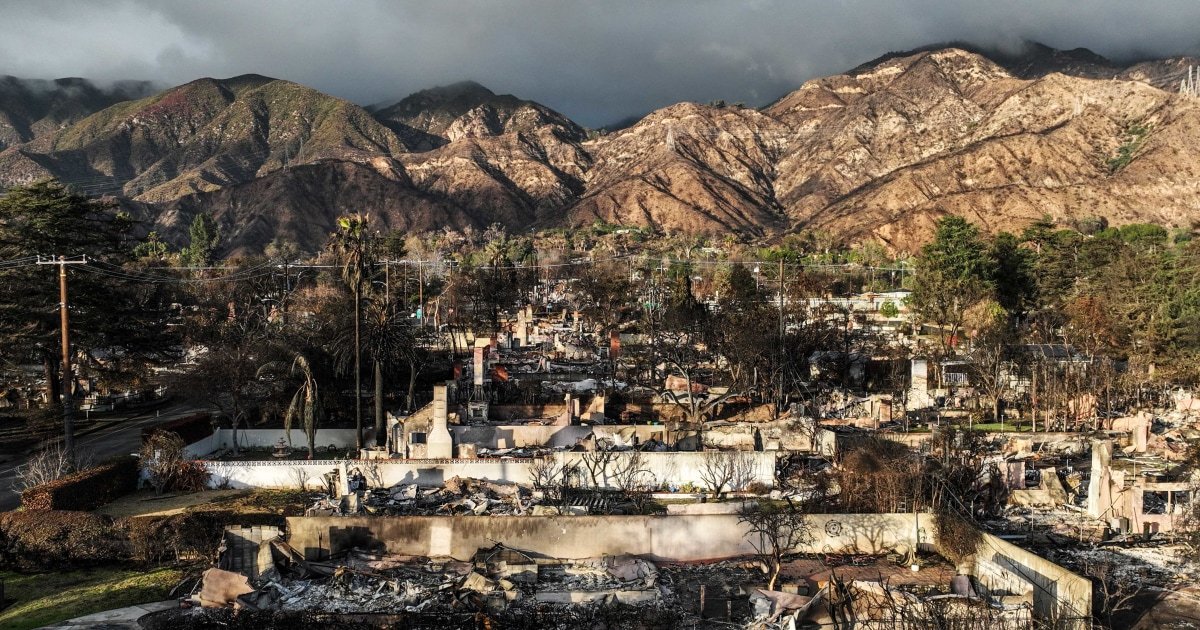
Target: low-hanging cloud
596,61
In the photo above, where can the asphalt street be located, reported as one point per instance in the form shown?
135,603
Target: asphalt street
121,437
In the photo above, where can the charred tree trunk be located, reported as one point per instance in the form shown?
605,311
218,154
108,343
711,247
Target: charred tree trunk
50,370
412,385
379,419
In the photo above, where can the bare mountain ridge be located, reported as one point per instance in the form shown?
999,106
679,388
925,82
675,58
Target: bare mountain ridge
1035,60
880,153
435,117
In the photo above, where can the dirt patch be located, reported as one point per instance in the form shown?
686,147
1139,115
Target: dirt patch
146,503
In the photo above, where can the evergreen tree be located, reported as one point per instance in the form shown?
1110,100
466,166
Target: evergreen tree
203,238
953,272
110,313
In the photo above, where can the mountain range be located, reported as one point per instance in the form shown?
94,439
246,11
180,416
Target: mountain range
880,152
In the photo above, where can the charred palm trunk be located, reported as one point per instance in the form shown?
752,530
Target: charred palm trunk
380,438
412,385
358,430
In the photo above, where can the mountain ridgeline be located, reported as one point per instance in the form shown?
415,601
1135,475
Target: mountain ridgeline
878,153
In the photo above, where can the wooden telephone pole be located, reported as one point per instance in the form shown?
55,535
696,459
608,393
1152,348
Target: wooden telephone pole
782,334
66,378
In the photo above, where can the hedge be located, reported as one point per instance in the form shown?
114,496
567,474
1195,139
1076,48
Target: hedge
87,489
191,428
60,540
190,535
52,540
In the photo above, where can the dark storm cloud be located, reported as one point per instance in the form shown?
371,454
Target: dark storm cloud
596,61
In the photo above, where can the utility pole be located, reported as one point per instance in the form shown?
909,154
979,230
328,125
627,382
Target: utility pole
782,371
387,285
66,379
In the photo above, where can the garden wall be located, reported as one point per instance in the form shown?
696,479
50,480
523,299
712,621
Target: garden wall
670,468
681,468
379,472
667,538
268,439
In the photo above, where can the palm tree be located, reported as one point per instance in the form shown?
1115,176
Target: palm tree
351,244
388,337
305,404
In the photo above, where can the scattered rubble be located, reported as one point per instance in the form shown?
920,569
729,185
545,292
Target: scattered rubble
515,588
457,497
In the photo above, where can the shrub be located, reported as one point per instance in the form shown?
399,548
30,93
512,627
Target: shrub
758,487
162,454
190,476
60,540
50,464
85,490
956,537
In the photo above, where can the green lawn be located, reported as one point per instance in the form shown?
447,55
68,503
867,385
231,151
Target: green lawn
39,599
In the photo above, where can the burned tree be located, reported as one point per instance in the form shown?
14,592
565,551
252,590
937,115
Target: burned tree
726,469
631,476
876,475
775,531
554,479
993,352
1116,593
596,464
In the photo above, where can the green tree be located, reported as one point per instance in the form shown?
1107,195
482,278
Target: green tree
952,273
388,337
109,312
153,247
1012,274
203,238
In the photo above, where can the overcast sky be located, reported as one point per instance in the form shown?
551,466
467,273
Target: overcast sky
595,60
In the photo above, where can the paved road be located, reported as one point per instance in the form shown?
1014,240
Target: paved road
121,437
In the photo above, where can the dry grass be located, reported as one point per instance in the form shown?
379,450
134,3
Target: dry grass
146,503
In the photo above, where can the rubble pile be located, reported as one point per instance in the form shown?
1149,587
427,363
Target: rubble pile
411,589
457,497
498,581
613,572
874,605
514,588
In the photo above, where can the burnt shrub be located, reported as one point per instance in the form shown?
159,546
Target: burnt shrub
60,540
86,489
190,476
957,538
